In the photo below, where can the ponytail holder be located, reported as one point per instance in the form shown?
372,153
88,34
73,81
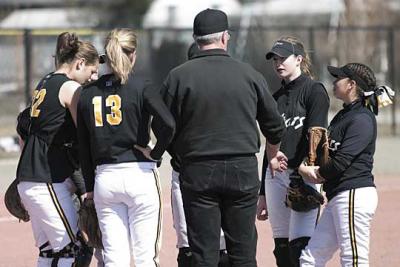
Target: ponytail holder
384,95
381,96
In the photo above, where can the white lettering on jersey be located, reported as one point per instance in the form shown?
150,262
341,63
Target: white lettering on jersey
333,145
296,122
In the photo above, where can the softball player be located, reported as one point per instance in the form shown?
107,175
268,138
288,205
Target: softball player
113,118
303,103
43,166
348,181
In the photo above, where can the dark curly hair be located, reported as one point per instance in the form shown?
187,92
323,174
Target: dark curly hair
366,74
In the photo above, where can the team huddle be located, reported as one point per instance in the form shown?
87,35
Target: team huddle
89,136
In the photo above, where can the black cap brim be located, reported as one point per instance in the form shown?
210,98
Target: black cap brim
336,72
345,72
281,52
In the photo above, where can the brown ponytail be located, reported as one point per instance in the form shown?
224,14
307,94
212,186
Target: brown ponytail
69,47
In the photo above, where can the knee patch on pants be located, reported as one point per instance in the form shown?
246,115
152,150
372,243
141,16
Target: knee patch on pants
68,251
84,255
295,248
281,252
185,257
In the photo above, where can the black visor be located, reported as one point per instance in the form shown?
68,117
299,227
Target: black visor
285,49
345,72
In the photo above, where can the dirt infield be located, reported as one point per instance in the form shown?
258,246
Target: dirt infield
18,248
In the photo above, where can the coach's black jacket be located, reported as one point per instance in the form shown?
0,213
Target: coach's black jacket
216,102
352,137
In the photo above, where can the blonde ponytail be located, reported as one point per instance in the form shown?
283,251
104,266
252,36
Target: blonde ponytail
120,43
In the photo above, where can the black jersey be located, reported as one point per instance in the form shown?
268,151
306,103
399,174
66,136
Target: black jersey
217,102
112,118
303,103
44,158
352,137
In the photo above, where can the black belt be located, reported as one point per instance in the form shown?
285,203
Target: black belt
218,157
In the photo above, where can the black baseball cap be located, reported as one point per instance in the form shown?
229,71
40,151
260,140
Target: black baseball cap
285,49
210,21
346,72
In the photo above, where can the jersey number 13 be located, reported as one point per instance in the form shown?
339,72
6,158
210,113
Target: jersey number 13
114,117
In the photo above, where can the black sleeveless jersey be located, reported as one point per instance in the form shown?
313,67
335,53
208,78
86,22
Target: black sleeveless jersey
112,118
43,158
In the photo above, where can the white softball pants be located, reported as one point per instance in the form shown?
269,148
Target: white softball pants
345,225
178,214
127,197
285,222
53,217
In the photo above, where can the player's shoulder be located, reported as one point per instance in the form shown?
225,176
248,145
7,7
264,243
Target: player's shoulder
311,84
138,80
94,87
317,87
363,115
86,90
71,84
315,90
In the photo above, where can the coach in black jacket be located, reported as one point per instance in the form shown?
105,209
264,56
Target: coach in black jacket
216,102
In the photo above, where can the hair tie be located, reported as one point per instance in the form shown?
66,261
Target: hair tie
384,95
381,96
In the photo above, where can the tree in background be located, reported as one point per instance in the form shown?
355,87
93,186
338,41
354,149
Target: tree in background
125,13
365,45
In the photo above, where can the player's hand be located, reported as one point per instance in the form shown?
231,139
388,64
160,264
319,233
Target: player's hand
146,152
310,174
88,195
278,163
262,213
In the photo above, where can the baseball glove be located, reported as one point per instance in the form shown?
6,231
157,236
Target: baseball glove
14,204
302,197
318,152
89,224
24,123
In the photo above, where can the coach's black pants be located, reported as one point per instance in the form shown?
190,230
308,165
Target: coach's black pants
221,192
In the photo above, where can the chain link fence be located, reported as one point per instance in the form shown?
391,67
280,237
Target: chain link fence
26,56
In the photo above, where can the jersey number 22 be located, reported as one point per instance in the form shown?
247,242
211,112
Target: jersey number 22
37,99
